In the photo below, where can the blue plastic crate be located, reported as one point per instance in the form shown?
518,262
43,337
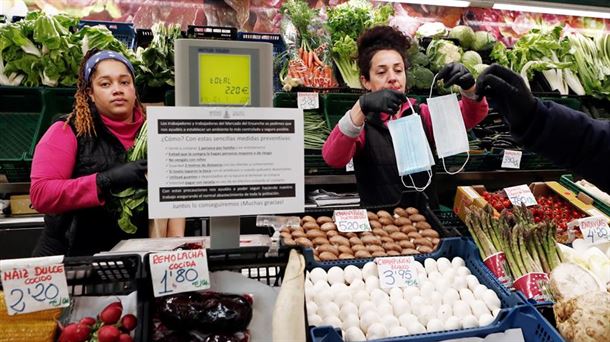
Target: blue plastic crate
124,32
534,326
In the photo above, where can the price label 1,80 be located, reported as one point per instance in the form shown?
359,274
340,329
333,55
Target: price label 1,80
354,220
179,271
28,288
397,272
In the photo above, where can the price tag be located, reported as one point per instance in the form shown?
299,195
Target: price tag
511,159
396,272
34,284
594,230
350,166
352,221
179,271
308,101
520,194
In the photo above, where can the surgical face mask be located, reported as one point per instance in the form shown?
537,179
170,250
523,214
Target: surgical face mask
448,127
411,148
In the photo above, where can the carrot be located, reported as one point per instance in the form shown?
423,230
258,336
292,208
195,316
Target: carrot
301,52
317,59
310,58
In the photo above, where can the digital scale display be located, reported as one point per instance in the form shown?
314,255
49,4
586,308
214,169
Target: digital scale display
224,79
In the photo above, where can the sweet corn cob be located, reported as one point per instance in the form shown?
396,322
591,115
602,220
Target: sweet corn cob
27,331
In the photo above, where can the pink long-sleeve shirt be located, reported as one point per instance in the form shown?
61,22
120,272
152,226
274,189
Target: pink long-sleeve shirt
52,189
340,148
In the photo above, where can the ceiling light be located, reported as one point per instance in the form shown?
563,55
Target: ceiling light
449,3
572,11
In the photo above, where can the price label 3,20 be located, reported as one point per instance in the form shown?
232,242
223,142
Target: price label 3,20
352,221
179,271
397,272
520,194
34,284
594,229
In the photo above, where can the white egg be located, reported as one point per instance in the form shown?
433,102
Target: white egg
434,276
378,295
317,274
360,296
463,270
312,307
308,283
351,273
425,314
321,285
323,297
339,287
357,285
350,321
406,319
348,309
415,328
366,306
310,294
390,321
442,285
314,320
372,282
417,302
472,282
367,319
479,291
466,295
452,323
485,319
461,309
376,331
329,309
444,312
354,334
469,321
426,288
449,275
385,309
410,292
400,307
479,308
457,262
434,324
369,269
491,299
396,293
495,312
430,265
343,297
333,321
435,299
450,296
419,267
459,282
335,275
443,264
398,331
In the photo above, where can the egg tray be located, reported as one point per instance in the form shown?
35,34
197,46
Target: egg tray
534,326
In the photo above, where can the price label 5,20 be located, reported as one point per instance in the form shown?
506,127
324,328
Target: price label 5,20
397,272
352,221
179,271
34,284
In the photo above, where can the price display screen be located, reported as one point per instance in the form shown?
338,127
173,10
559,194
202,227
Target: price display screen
224,79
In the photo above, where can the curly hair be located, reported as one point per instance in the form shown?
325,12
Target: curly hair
82,117
380,38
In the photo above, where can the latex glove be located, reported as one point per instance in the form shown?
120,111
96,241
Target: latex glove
509,93
456,73
121,177
382,101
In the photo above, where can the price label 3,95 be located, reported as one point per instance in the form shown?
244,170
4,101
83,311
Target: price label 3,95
352,221
179,271
397,272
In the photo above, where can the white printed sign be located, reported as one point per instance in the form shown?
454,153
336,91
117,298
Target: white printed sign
397,272
594,229
512,159
308,101
520,194
350,166
179,271
353,220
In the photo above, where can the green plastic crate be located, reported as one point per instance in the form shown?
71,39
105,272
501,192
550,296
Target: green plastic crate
285,100
57,102
568,182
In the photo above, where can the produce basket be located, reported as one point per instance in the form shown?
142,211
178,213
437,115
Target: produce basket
124,32
568,182
211,32
534,326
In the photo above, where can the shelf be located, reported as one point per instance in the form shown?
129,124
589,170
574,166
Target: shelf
330,179
15,188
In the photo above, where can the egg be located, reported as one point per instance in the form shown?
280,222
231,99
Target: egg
466,295
417,302
444,312
308,284
348,309
350,321
398,331
390,321
366,306
338,287
378,295
333,321
312,307
479,308
485,319
360,296
434,324
443,264
317,274
314,320
372,282
321,285
463,270
457,262
354,334
491,299
495,312
435,299
410,292
426,288
376,331
351,273
400,307
357,285
323,297
369,269
472,282
430,265
406,319
425,314
396,293
415,328
461,309
434,276
310,294
442,285
328,309
452,323
367,319
459,282
335,275
449,275
343,297
385,309
479,291
419,267
450,296
469,321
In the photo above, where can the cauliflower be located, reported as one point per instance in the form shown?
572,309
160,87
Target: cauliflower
442,52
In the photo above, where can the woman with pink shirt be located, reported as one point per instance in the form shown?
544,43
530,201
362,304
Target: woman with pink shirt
81,160
362,133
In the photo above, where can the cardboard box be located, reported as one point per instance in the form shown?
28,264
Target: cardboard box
21,205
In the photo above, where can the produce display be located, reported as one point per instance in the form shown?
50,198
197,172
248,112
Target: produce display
109,326
406,232
594,191
315,130
36,326
447,297
157,67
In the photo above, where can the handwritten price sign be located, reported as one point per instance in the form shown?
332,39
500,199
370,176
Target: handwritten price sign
594,230
308,101
179,271
512,159
520,194
396,272
352,221
34,284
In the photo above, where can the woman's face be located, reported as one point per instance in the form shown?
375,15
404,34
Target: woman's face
112,90
387,72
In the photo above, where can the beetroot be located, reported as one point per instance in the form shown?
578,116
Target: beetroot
108,333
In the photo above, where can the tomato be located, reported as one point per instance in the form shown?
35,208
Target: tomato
506,203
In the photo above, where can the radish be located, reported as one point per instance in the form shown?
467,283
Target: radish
111,314
125,338
90,321
129,322
75,332
108,333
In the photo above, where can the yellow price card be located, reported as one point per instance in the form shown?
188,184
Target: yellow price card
224,79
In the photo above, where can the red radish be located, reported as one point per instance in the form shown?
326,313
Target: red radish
111,314
129,322
117,304
75,332
90,321
125,338
108,333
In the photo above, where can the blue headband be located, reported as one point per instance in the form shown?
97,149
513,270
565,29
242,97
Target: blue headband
104,55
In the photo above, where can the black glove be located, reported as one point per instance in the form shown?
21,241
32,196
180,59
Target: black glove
511,96
456,73
382,101
122,177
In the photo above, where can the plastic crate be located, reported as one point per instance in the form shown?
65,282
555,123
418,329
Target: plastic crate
534,326
58,102
211,32
529,161
315,165
476,162
568,182
450,220
570,102
124,32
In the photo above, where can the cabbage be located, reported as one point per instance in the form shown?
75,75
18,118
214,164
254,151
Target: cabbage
442,52
483,40
478,69
471,58
432,30
464,34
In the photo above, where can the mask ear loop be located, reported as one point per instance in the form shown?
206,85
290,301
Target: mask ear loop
415,187
411,106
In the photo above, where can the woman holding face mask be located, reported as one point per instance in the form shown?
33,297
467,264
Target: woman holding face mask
363,134
82,160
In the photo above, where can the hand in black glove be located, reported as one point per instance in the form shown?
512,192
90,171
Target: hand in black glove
122,177
456,73
382,101
511,96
